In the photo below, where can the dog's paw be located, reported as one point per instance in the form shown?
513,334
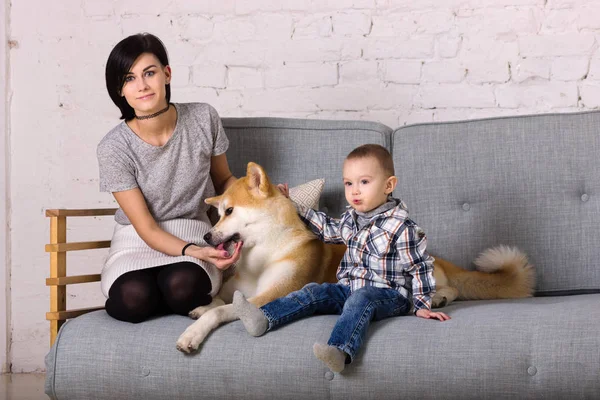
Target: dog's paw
439,301
187,343
198,312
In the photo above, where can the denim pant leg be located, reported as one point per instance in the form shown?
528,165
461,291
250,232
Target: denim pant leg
364,305
314,298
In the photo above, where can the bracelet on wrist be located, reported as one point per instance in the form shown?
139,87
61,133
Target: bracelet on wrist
186,246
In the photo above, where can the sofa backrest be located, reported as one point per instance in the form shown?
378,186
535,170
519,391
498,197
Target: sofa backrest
299,150
528,181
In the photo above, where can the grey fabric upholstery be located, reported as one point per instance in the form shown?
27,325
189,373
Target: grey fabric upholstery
531,348
528,181
296,151
531,181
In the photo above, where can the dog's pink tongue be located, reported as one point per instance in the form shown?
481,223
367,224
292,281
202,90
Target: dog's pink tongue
221,246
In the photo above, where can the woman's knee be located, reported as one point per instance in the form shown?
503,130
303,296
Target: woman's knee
181,280
133,298
184,286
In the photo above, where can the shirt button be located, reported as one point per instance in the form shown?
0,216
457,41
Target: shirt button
585,197
329,375
466,206
532,371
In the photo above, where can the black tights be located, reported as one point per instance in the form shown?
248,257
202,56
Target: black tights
169,289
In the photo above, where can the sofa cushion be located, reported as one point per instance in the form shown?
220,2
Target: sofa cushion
545,347
308,194
530,181
299,150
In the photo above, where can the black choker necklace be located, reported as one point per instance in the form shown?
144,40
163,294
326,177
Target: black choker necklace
156,114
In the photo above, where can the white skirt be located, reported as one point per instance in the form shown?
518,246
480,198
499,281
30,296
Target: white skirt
128,252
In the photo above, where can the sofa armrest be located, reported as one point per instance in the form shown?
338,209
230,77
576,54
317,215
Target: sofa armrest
58,280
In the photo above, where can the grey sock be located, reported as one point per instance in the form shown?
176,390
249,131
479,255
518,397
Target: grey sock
331,356
251,316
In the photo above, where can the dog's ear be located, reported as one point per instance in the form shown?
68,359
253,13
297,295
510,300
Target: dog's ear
213,201
258,179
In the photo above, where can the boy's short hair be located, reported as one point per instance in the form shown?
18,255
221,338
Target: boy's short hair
379,152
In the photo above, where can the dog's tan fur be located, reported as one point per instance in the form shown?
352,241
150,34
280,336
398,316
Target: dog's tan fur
281,255
502,273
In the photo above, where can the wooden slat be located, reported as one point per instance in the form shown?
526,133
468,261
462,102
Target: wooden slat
62,247
81,212
58,269
58,280
63,315
71,280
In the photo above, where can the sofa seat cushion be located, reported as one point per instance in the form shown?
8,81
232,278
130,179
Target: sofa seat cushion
545,347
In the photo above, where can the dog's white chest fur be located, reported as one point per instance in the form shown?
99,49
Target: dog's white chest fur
254,271
249,269
254,260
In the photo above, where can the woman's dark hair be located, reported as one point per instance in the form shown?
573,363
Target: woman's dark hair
120,60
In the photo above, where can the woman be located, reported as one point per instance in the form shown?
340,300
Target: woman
160,164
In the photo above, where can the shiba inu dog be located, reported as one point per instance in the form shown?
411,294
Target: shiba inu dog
281,255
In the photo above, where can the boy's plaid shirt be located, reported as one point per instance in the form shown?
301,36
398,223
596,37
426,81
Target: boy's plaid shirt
390,251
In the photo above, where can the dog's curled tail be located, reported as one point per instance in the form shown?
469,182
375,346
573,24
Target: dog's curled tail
507,273
502,272
501,258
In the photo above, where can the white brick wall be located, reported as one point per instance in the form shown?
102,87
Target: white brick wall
392,61
4,207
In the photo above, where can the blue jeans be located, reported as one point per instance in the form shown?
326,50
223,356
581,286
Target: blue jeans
357,310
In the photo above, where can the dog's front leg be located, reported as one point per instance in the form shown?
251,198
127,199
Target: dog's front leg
195,334
199,311
444,296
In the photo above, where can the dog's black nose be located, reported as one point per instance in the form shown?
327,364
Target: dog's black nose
207,237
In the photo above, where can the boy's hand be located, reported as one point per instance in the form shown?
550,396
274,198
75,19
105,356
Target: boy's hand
428,314
284,189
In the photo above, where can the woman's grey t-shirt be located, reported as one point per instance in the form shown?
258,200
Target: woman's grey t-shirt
174,178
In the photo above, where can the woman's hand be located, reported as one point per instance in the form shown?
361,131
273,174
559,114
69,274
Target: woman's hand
219,258
428,314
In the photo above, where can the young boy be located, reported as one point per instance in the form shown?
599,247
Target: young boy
386,264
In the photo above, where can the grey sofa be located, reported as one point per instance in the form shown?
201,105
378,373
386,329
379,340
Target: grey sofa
528,181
